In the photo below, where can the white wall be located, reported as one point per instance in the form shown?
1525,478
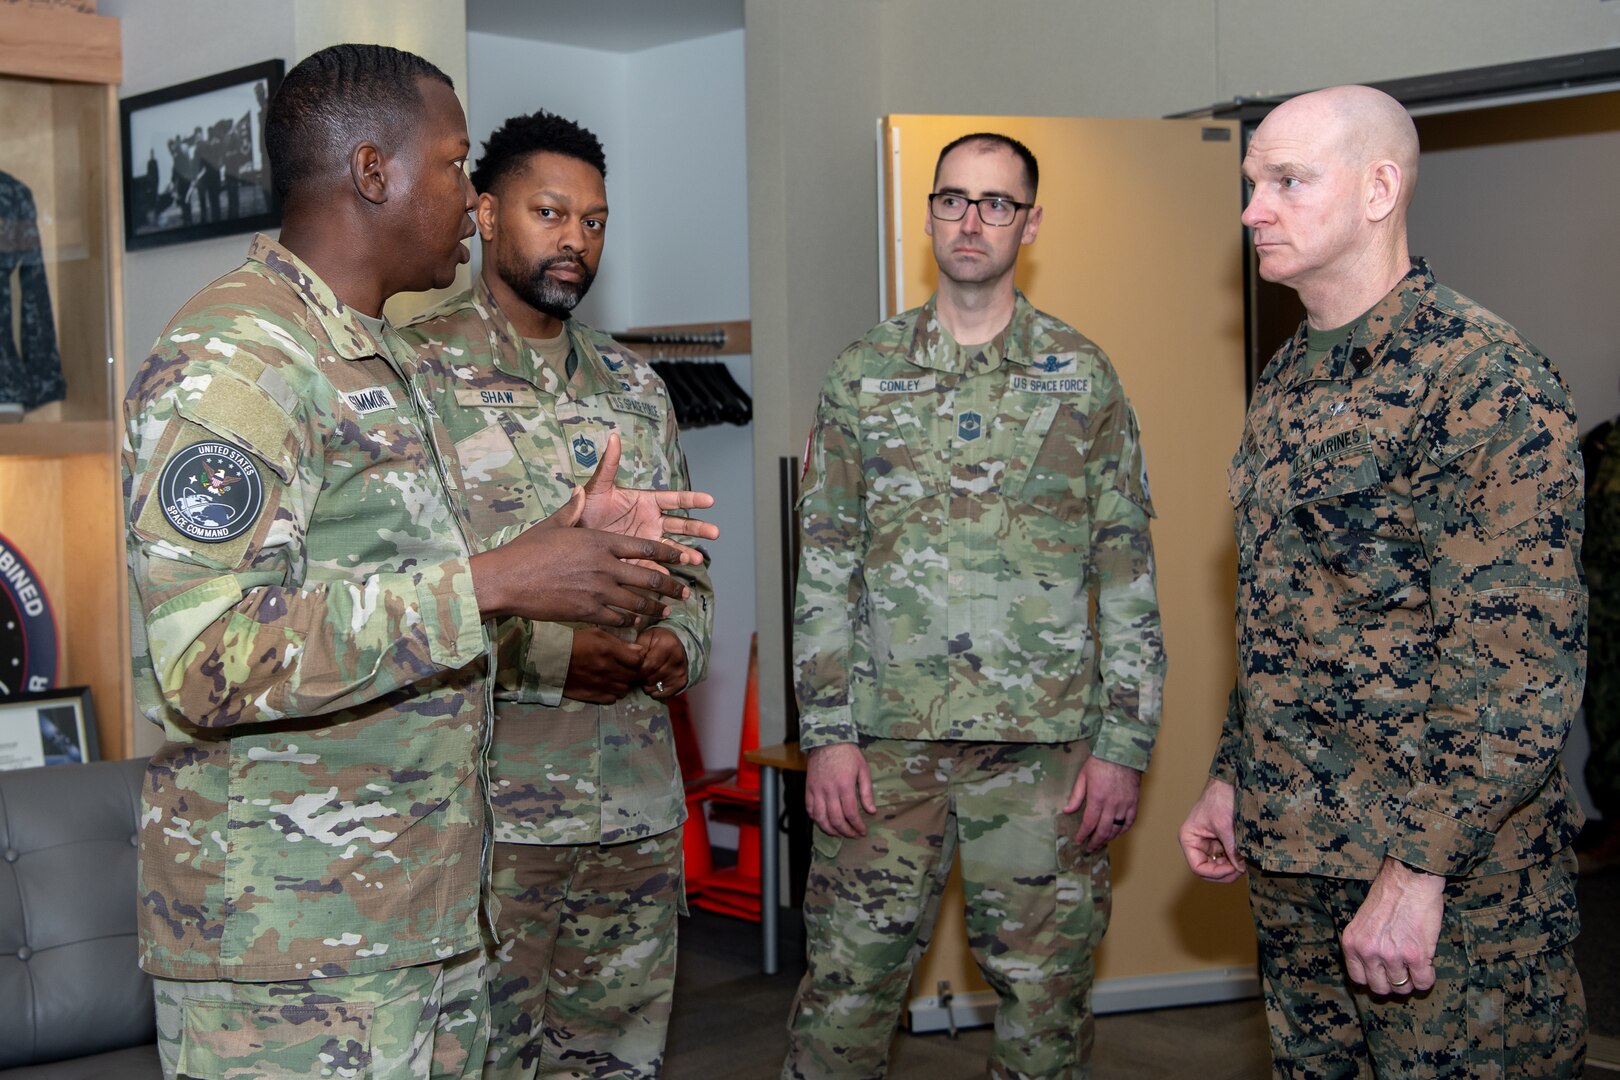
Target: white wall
671,121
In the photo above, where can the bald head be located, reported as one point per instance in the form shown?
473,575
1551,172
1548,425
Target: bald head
1360,126
1332,175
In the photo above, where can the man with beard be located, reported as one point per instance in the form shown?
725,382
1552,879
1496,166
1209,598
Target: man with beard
974,489
587,794
308,616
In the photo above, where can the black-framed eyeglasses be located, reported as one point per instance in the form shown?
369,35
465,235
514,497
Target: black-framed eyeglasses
993,209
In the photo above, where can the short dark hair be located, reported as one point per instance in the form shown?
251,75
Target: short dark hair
333,99
509,146
987,139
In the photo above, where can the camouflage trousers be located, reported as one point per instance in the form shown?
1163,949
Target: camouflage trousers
427,1021
1506,1001
584,977
1036,907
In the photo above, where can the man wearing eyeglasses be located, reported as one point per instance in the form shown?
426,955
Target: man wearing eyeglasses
978,653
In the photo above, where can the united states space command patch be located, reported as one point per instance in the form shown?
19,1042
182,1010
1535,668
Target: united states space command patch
27,628
211,491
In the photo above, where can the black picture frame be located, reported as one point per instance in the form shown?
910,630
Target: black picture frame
194,160
47,727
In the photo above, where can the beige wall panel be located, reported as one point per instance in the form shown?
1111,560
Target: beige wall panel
1140,249
1284,46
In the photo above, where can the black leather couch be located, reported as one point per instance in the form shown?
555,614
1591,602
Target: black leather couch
73,1003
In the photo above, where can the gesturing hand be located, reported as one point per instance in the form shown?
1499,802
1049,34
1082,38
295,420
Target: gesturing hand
556,573
640,512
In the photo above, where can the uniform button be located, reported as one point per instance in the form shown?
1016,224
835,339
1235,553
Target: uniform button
11,855
24,952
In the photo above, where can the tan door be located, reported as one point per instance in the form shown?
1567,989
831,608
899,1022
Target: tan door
1141,250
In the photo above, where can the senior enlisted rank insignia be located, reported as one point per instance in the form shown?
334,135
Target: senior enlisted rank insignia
211,491
969,426
584,451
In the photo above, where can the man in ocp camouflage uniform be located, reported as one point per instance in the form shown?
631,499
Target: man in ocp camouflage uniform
1411,627
308,619
587,795
973,487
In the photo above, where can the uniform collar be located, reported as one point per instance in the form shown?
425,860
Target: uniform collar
512,353
1371,335
350,337
933,347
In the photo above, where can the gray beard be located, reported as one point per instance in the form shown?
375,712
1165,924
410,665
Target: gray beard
555,298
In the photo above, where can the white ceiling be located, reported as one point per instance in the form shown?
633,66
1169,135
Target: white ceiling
610,25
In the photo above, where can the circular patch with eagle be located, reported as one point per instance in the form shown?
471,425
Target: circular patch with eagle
211,491
27,627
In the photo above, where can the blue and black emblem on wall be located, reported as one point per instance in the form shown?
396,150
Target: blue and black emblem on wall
969,426
27,628
211,491
585,451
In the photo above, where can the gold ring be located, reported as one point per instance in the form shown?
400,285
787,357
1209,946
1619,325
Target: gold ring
1401,982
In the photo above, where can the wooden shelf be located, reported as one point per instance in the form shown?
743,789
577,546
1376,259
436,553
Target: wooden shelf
57,439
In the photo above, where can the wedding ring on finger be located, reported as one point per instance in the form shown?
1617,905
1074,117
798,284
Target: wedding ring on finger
1402,981
659,686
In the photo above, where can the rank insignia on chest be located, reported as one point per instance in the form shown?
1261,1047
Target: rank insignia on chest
969,426
584,451
211,491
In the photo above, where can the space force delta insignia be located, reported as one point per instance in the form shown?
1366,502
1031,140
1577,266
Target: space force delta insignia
27,628
211,491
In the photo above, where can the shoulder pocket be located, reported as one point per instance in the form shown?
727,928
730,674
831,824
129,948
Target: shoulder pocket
245,415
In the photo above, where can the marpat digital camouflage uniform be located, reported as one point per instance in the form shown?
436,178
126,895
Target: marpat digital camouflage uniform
588,798
307,635
963,510
1411,642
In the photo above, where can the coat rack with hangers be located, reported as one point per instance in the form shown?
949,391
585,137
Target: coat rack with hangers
701,388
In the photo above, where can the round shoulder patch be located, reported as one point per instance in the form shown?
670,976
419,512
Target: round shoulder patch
27,628
211,491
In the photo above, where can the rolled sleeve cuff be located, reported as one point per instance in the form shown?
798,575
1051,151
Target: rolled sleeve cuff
1124,743
450,618
826,727
1434,842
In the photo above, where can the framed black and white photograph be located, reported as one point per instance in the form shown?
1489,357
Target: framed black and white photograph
194,161
49,727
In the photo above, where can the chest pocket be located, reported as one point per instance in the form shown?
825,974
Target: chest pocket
506,470
1367,552
899,455
1051,459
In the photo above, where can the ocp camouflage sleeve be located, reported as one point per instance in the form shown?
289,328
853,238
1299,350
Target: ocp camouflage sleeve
1498,507
828,645
1130,637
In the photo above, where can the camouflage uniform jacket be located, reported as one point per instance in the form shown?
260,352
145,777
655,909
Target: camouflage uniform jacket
318,807
963,510
1411,617
562,771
